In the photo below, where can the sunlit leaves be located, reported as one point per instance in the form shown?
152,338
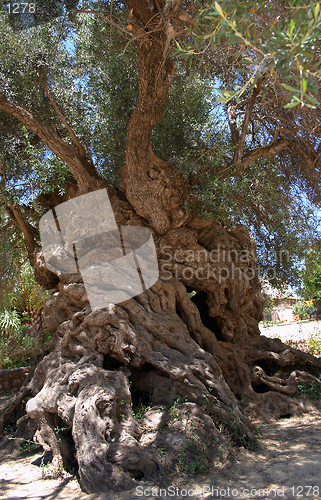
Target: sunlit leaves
281,39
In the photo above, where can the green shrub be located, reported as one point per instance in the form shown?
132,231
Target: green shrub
10,328
22,334
268,307
314,343
301,309
19,339
28,297
310,389
10,322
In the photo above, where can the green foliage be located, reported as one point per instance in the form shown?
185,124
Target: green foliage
301,309
28,296
268,307
310,389
21,332
311,274
15,343
271,323
314,344
269,201
200,462
181,135
11,325
26,445
26,15
90,69
140,410
17,346
10,321
280,39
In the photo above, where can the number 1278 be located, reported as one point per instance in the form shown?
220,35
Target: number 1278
21,8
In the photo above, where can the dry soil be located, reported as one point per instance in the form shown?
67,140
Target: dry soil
287,464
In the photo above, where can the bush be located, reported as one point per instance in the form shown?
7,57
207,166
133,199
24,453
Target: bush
10,321
301,310
22,334
10,329
268,307
314,344
310,389
28,297
19,339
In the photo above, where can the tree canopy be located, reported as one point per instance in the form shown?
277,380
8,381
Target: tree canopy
241,121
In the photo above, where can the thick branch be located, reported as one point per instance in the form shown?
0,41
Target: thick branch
43,276
85,173
262,152
240,148
14,212
141,10
11,216
150,183
25,228
80,147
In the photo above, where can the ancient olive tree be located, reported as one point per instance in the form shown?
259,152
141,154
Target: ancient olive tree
202,353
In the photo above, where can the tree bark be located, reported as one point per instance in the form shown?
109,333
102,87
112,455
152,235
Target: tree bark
86,175
152,186
195,360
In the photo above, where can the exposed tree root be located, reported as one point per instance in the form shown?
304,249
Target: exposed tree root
205,353
26,390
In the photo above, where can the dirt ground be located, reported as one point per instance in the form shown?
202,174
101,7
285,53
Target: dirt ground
296,331
287,464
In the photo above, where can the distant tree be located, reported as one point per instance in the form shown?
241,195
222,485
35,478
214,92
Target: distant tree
301,309
311,275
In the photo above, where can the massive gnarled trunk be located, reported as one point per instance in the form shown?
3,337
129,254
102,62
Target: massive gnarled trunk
202,354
